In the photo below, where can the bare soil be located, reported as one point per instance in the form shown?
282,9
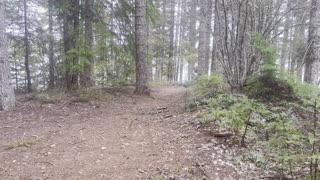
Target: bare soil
130,137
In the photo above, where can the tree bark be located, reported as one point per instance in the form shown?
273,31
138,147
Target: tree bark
313,43
142,86
71,25
192,37
51,42
214,60
75,37
27,46
67,21
284,59
204,37
7,97
176,53
86,76
171,44
299,41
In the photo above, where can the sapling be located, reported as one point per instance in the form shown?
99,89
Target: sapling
314,163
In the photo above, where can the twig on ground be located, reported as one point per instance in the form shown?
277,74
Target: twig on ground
168,116
200,166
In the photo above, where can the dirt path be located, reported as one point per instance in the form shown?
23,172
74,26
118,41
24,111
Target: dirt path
131,138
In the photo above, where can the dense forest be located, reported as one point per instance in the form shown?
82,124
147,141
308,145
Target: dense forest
249,68
72,44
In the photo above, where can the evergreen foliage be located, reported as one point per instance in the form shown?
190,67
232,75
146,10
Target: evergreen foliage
206,87
268,84
276,114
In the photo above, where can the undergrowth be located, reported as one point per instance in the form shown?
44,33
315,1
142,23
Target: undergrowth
275,117
204,88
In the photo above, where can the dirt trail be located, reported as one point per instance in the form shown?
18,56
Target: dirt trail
131,138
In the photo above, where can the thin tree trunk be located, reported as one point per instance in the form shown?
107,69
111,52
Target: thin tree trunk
171,44
214,57
75,37
51,41
27,46
208,34
177,47
164,36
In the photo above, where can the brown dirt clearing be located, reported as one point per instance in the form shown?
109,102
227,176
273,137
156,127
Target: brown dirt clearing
131,137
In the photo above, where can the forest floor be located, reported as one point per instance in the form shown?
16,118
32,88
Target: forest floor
129,137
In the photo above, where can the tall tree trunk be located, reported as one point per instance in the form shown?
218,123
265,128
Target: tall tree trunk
284,59
299,41
208,34
86,77
7,97
192,37
176,55
71,27
67,21
51,41
171,43
113,56
182,43
204,37
164,36
75,37
313,43
27,45
142,86
214,60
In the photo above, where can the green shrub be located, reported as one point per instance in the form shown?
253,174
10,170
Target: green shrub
234,112
269,84
204,88
277,112
305,92
213,84
50,97
92,94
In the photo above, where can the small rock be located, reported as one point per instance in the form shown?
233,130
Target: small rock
103,148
